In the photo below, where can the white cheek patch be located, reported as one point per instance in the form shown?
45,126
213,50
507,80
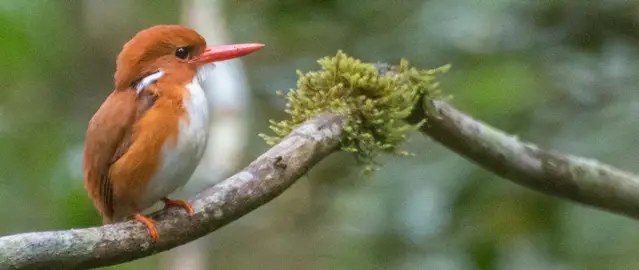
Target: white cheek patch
148,80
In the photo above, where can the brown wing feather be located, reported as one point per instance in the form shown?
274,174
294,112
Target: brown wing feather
145,101
108,138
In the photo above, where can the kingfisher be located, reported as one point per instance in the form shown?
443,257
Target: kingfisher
146,139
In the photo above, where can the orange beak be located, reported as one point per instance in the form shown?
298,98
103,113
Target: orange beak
226,52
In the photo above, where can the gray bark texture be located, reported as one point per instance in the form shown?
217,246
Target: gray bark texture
578,179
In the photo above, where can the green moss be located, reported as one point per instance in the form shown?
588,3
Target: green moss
375,104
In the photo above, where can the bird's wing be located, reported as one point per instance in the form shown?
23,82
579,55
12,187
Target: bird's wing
108,138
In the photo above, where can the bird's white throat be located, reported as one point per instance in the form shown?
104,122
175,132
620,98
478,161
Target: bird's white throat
204,72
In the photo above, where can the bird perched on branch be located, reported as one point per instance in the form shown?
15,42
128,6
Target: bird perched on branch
147,138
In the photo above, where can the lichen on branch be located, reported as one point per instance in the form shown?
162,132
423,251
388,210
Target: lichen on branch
375,104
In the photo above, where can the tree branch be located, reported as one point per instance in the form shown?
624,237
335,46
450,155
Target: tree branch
264,179
575,178
578,179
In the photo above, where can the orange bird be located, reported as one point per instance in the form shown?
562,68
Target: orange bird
149,135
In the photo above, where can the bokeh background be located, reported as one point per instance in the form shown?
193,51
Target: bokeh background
562,74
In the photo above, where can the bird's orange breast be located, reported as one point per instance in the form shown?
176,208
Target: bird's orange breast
156,129
180,158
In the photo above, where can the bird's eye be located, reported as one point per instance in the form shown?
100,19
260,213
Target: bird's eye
182,53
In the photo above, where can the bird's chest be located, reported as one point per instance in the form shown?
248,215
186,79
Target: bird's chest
180,157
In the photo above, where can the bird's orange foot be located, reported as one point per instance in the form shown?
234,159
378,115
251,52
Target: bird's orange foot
178,203
150,224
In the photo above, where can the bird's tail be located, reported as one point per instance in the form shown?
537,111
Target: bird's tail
107,220
114,217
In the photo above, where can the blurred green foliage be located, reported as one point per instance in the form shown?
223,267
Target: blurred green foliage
560,73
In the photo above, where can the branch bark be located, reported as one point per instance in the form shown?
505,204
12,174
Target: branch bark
578,179
264,179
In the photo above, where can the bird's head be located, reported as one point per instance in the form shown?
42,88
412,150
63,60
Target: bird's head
170,49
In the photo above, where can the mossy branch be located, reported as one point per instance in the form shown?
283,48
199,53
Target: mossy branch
383,103
375,104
